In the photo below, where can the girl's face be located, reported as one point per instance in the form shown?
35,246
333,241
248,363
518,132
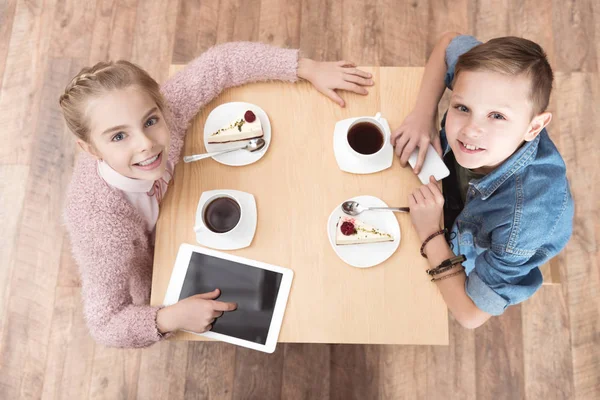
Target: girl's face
129,133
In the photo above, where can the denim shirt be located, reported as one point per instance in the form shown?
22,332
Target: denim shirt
514,219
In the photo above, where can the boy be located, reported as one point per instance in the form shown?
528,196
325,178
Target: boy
507,200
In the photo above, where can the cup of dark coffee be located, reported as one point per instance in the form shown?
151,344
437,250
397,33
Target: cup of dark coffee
366,136
221,213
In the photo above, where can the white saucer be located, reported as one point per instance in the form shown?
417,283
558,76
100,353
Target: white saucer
349,162
371,254
224,114
241,236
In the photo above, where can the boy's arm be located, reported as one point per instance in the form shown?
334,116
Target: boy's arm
420,127
433,82
453,289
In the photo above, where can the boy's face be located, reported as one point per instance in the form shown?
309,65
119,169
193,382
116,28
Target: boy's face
127,129
489,118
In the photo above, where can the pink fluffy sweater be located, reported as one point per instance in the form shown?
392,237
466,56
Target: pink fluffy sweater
110,241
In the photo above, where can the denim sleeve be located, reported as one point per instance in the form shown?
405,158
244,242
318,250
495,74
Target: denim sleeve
457,47
499,281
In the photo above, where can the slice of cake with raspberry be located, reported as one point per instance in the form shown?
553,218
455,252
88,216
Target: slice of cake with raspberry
351,230
245,127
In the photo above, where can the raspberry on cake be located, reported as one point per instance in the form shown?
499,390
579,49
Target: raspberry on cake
245,127
354,231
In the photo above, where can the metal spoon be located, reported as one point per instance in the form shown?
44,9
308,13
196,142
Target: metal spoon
353,208
252,146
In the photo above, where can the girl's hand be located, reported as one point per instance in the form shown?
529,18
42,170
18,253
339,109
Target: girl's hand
195,313
327,77
417,129
426,209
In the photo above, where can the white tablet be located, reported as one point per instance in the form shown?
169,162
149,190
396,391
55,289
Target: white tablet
260,290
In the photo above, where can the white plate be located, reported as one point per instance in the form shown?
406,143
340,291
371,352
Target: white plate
349,162
241,236
226,113
371,254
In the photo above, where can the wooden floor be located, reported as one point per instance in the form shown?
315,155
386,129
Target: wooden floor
547,348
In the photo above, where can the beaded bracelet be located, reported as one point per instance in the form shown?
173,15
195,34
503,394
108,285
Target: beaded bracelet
440,232
448,276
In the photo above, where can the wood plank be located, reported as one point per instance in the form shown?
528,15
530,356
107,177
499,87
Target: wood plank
546,344
578,94
155,26
403,372
499,357
447,16
280,22
451,369
257,375
26,59
362,22
69,369
238,20
13,184
115,373
7,16
38,246
163,371
405,40
490,19
575,44
313,43
354,371
197,27
306,371
68,271
113,30
72,32
210,371
528,20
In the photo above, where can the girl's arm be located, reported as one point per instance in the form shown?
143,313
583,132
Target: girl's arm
221,67
234,64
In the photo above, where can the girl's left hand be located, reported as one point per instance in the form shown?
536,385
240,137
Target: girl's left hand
426,208
327,77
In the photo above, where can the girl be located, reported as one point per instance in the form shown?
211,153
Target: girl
132,132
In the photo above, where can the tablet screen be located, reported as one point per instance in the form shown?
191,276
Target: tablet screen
253,289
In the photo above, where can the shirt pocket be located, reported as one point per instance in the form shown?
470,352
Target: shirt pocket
467,232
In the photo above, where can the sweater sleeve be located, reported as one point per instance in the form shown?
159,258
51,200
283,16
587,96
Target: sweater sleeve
112,318
107,252
221,67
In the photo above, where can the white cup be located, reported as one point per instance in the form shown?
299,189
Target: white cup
203,211
376,121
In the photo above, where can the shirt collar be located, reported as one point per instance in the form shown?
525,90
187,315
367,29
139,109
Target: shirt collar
122,182
522,157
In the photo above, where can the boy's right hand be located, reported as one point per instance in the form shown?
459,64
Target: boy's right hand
194,313
417,130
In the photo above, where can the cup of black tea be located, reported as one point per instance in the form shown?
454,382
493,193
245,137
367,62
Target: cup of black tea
366,136
221,213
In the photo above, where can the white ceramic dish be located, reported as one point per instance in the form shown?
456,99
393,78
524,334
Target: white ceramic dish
371,254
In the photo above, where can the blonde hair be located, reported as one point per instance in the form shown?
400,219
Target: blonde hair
94,81
512,56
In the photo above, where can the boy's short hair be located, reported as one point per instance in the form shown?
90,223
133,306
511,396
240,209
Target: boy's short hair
512,56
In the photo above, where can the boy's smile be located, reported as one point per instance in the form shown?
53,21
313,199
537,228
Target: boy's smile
490,116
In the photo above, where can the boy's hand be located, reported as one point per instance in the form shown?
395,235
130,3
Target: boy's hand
426,208
327,77
195,313
417,130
